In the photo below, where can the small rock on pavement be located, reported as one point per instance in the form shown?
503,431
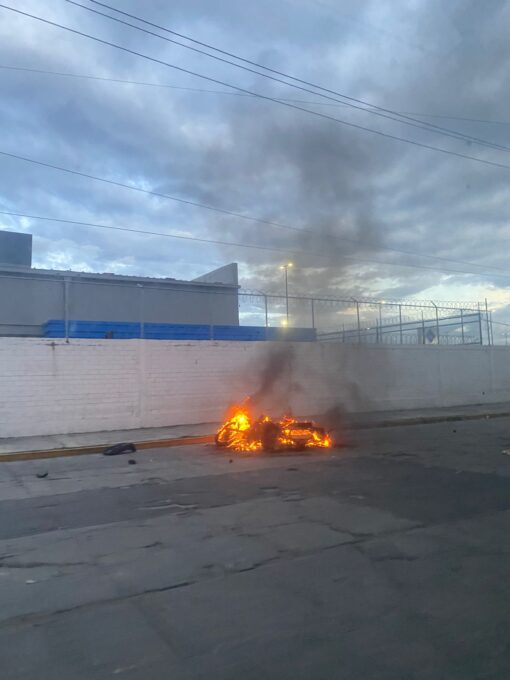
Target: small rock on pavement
132,461
42,475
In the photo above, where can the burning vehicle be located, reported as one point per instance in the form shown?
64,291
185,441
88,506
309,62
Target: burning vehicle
241,432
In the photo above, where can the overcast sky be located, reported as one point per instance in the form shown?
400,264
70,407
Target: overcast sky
357,197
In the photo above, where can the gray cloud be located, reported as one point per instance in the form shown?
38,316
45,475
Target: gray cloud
255,157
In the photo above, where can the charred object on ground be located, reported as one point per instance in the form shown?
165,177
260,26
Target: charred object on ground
241,432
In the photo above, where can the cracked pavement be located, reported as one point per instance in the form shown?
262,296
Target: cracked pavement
388,559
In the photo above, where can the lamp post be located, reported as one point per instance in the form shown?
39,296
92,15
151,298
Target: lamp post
285,268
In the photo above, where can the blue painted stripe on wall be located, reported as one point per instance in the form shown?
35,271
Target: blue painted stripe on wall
55,328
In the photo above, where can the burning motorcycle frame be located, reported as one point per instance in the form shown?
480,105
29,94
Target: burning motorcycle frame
240,432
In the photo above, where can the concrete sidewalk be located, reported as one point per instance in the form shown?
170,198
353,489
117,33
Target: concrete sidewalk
14,448
18,448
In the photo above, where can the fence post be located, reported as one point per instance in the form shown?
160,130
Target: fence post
480,324
265,310
422,328
142,311
462,324
359,327
437,323
400,324
313,313
487,320
66,308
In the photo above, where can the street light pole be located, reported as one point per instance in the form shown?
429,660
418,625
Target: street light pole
287,294
285,268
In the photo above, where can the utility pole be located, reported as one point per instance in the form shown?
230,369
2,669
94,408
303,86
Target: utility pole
142,310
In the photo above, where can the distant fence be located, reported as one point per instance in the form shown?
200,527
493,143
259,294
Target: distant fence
405,322
153,310
460,329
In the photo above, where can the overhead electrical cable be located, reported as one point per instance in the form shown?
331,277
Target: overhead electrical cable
230,213
244,245
378,111
371,106
221,210
123,81
318,114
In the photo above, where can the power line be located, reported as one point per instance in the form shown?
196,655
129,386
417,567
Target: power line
162,85
374,110
464,119
116,80
244,245
225,211
137,230
122,81
267,68
231,213
380,133
158,194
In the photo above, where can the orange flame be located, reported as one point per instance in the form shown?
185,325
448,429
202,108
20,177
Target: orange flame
241,432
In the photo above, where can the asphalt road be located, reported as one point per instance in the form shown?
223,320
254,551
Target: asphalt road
387,559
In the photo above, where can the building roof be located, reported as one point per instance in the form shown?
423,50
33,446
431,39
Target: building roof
227,277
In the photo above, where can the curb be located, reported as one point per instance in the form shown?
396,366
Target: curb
99,448
209,438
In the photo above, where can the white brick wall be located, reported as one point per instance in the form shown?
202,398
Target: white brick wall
54,387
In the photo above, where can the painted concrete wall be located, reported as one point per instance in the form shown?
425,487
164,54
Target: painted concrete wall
50,387
30,298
